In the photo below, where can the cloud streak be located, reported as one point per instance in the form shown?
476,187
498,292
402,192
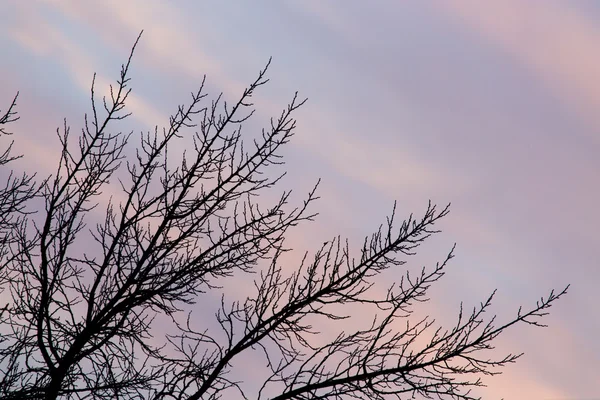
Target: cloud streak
554,39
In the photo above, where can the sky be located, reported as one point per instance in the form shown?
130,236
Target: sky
491,106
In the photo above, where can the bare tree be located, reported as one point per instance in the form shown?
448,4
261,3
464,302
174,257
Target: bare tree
16,192
85,287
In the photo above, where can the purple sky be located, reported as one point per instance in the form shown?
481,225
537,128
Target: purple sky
493,106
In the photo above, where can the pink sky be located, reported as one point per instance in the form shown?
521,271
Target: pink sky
493,106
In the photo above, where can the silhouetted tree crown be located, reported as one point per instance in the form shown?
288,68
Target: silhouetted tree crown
101,295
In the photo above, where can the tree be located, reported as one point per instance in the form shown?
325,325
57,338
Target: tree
85,287
13,197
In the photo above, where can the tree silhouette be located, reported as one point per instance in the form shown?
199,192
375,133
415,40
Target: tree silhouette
101,302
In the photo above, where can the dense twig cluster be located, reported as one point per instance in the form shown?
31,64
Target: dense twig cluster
81,301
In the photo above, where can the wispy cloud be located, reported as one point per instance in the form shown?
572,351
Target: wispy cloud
557,41
172,42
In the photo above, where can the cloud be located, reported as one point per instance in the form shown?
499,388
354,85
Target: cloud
39,36
44,38
556,41
171,42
